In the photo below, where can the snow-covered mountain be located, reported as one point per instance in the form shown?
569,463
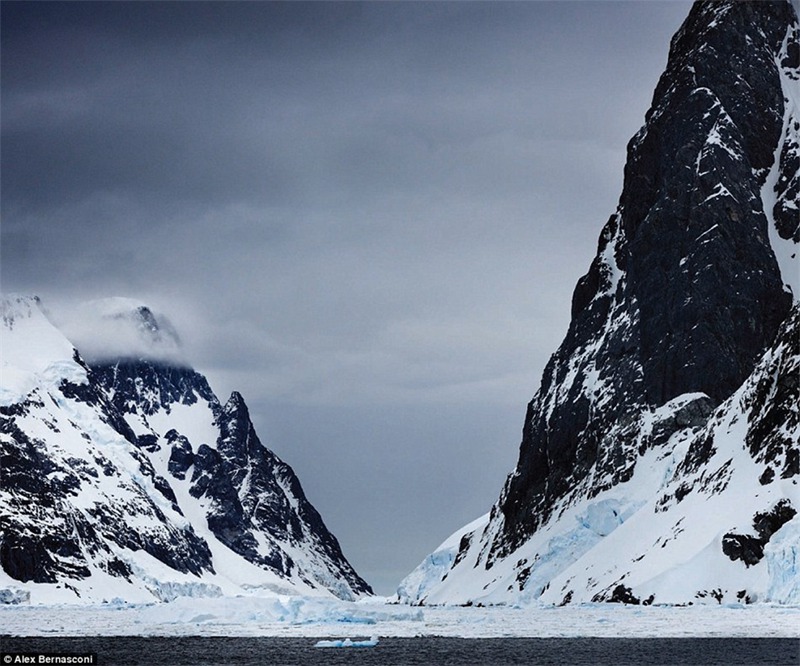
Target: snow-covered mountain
660,459
129,479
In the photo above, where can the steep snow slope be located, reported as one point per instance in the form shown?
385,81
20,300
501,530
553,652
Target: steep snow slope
709,515
36,354
642,471
130,480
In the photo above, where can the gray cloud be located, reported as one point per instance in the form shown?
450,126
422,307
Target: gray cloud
114,328
366,217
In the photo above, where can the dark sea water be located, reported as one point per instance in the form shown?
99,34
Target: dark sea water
484,652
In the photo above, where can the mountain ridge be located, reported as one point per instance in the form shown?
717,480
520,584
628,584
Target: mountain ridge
131,480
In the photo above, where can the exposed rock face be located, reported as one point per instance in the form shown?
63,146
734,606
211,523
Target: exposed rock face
750,549
252,496
48,536
148,387
129,479
683,300
685,293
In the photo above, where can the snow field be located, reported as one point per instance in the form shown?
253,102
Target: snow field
318,617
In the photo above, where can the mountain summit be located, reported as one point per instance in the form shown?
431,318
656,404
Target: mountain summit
128,479
659,459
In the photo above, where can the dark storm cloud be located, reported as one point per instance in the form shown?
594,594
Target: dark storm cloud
136,98
362,215
253,100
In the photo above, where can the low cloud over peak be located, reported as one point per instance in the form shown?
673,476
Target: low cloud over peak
122,328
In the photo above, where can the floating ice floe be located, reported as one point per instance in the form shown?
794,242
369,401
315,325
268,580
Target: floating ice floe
372,642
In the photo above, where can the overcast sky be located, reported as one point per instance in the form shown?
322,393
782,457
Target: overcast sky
366,218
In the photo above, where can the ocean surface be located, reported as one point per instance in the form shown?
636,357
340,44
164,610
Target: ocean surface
486,652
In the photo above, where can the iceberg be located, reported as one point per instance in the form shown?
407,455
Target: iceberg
372,642
782,554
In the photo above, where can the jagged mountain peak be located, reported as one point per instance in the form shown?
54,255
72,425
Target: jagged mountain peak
127,478
235,403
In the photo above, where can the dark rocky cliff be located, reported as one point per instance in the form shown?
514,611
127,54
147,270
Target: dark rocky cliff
685,292
252,495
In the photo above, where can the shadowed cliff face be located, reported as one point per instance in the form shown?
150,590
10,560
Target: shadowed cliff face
252,496
685,292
